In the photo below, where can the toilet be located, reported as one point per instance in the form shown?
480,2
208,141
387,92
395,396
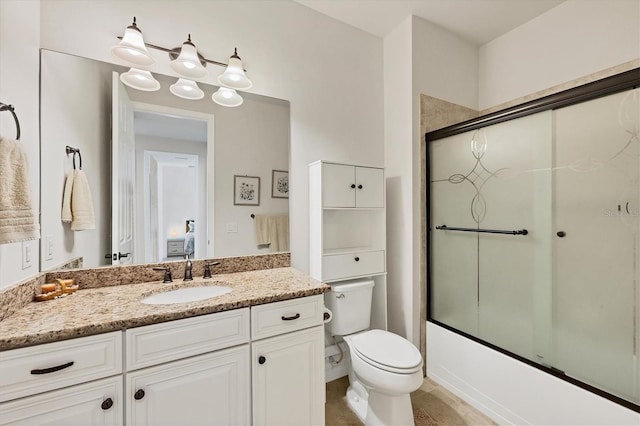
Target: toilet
383,368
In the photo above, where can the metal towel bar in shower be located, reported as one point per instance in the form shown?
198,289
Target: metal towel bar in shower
488,231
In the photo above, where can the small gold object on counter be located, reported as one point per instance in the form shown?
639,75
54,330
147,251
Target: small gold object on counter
51,290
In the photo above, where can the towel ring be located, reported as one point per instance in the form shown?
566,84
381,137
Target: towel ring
74,151
5,107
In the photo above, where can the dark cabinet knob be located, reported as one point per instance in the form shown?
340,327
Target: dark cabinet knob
357,259
353,185
261,359
107,403
139,394
561,234
359,186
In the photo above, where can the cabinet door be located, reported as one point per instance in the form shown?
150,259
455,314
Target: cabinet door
90,404
288,379
338,185
369,187
211,389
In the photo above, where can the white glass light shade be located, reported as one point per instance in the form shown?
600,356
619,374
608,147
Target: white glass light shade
186,89
132,48
188,63
234,76
140,79
227,97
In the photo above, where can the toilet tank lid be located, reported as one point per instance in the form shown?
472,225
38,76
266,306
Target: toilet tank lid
351,285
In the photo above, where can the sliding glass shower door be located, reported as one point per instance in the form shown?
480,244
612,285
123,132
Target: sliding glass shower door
534,238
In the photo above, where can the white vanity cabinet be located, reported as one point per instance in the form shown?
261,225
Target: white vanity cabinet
347,228
190,371
287,362
72,382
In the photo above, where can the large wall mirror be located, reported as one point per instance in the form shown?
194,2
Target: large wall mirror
164,176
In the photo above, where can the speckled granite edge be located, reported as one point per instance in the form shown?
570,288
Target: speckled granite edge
15,297
19,295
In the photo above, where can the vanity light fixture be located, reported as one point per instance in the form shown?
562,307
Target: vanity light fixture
187,89
227,97
140,79
186,62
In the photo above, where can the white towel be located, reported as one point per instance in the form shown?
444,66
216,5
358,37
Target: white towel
77,204
18,221
273,230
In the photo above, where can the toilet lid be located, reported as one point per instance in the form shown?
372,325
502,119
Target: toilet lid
387,351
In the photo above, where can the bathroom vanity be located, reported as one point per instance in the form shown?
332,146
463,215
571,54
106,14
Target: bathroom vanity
251,356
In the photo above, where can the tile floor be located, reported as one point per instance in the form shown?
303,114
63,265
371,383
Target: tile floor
432,404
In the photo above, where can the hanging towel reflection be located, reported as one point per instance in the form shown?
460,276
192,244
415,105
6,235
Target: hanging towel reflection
18,221
77,204
273,230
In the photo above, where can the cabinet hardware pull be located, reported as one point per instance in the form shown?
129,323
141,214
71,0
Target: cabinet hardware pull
52,369
261,360
139,394
360,187
353,185
295,317
561,234
357,259
107,403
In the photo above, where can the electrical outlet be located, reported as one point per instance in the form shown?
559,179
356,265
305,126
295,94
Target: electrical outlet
48,247
27,255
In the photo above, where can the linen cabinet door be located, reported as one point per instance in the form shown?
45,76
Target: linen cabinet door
338,185
211,389
369,187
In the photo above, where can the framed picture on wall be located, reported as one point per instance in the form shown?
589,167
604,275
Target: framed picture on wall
246,190
279,184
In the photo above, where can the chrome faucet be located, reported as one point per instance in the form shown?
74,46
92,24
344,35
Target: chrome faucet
188,276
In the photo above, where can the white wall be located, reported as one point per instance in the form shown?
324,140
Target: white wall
330,72
574,39
19,87
419,57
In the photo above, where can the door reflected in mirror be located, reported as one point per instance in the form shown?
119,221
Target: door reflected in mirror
163,164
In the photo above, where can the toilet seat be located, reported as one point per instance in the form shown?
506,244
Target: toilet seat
387,351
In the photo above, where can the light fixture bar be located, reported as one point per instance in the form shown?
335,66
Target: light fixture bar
176,51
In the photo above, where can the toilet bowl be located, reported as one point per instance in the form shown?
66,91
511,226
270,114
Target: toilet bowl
385,368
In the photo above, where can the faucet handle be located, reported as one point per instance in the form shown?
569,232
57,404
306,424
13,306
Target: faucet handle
167,274
207,269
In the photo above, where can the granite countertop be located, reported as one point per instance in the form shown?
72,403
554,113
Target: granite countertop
111,308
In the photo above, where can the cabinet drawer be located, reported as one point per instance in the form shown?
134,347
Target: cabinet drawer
283,317
345,265
158,343
41,368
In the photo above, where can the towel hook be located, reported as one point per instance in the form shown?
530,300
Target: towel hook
74,151
5,107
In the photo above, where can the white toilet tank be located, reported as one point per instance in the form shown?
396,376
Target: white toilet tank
350,303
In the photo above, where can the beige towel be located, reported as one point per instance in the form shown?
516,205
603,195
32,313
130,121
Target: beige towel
18,221
273,230
77,204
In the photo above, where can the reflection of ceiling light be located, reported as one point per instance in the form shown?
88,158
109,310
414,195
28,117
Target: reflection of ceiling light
186,89
140,79
188,62
234,76
132,47
227,97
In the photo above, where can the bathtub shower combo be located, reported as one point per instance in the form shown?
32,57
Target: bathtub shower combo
534,234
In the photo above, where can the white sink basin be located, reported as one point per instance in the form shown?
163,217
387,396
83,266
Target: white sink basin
183,295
